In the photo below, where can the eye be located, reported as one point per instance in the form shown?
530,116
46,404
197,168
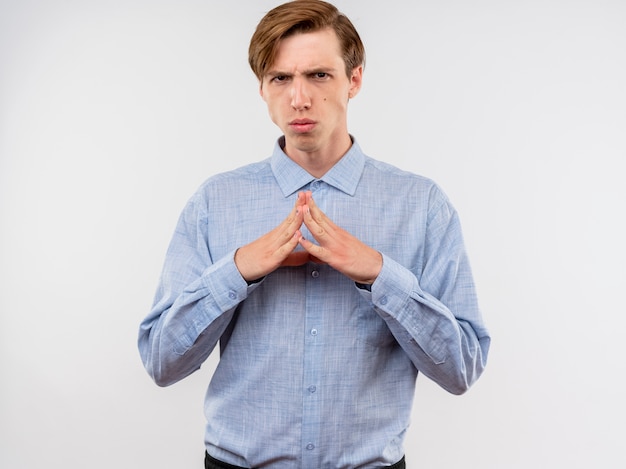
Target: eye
280,78
320,75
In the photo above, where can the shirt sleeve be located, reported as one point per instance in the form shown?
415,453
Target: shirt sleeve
434,315
194,302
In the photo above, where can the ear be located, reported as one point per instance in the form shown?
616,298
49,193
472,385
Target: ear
356,80
261,89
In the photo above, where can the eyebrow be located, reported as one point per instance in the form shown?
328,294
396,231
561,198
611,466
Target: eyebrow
278,73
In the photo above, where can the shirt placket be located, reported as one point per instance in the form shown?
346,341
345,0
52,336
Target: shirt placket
314,338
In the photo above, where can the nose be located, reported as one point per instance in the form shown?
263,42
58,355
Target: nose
300,98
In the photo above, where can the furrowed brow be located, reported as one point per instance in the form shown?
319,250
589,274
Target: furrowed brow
312,71
277,73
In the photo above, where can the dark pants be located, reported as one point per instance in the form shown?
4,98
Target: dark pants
212,463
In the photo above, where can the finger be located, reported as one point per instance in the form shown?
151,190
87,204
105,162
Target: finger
315,224
286,249
318,215
310,203
317,253
300,199
290,225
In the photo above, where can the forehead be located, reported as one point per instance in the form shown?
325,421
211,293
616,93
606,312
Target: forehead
308,50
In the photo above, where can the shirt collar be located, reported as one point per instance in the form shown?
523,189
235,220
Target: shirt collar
345,175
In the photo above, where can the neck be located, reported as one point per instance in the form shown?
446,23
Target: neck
318,161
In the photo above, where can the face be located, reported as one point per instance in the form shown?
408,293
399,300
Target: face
307,92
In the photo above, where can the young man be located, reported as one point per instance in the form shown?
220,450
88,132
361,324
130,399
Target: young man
329,278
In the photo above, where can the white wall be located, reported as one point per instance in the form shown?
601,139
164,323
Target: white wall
113,112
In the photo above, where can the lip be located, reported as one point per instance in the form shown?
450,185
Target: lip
302,125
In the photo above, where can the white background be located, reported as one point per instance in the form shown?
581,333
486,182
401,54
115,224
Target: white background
113,112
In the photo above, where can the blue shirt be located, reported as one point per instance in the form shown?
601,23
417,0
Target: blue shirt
316,371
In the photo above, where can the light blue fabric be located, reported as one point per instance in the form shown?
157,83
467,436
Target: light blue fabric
316,371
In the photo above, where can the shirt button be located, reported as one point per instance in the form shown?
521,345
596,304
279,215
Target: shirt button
315,185
232,295
312,389
315,274
383,300
313,331
310,446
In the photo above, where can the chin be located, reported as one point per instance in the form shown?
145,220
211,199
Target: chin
303,142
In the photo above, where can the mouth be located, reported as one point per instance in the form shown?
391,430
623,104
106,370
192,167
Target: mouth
301,126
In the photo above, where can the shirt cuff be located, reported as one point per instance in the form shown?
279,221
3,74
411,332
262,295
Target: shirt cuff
225,284
392,288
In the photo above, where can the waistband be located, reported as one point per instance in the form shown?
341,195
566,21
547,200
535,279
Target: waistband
211,463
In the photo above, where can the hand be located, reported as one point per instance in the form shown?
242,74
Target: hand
337,247
274,249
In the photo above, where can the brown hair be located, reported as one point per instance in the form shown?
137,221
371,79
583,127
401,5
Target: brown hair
302,16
